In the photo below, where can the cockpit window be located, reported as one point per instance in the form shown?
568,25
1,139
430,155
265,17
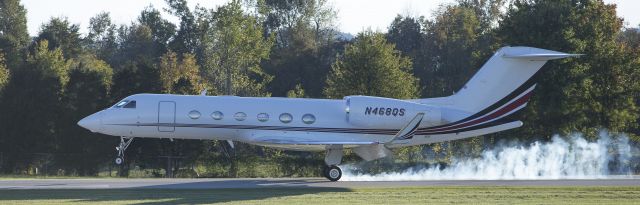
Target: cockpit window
131,104
120,104
126,104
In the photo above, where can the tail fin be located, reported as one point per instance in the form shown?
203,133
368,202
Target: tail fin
504,78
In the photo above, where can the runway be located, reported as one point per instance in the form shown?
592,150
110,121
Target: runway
221,183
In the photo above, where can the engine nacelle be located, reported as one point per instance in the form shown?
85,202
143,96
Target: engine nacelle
388,113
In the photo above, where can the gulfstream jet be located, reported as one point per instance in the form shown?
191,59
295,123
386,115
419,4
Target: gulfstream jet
369,126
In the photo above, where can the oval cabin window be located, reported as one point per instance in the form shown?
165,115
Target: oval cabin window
263,117
308,119
217,115
240,116
194,114
286,118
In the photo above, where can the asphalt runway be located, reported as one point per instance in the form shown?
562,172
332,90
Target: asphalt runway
289,183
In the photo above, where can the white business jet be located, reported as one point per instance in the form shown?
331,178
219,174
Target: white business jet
369,126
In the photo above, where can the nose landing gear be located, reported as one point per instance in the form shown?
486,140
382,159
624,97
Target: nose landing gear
124,144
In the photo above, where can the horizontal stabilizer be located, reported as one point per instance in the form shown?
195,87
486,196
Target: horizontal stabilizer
459,135
542,57
535,54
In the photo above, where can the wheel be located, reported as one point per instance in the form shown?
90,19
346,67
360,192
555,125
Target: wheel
119,160
333,173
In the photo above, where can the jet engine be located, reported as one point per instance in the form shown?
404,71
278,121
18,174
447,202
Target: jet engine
388,113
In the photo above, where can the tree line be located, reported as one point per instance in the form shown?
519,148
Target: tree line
292,48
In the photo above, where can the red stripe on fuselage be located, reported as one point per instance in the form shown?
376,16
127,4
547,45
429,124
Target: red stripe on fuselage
500,112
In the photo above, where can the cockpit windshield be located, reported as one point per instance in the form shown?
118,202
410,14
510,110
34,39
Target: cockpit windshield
125,104
131,104
120,104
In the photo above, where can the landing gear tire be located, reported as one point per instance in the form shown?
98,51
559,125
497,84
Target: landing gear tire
119,161
333,173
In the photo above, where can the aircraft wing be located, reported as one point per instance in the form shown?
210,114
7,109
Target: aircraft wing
294,141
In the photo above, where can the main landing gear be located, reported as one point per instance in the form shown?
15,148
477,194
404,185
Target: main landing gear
124,143
332,159
333,173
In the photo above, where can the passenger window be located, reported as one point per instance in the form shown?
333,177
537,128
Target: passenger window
217,115
308,119
286,117
263,117
131,104
240,116
194,114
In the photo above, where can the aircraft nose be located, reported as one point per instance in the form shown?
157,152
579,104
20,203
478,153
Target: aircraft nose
92,122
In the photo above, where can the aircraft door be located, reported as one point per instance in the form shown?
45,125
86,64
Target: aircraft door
166,116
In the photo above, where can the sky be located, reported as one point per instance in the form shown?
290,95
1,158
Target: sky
353,15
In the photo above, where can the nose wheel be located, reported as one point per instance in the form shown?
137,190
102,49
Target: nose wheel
124,144
333,173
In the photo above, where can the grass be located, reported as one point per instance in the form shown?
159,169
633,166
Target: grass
419,195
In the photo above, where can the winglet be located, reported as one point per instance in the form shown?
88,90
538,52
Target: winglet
409,129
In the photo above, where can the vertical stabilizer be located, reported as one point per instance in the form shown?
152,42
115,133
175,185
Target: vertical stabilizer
504,78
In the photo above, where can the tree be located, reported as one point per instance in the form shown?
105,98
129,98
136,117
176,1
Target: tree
31,107
630,38
304,39
407,33
452,44
145,40
235,45
162,30
79,151
101,39
4,73
186,39
297,92
371,66
62,34
180,75
13,31
584,94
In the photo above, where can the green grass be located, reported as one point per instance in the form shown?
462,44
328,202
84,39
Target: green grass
420,195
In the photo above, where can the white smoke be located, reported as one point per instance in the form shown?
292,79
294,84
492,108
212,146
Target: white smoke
573,158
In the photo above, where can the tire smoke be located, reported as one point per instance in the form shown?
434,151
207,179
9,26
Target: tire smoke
571,157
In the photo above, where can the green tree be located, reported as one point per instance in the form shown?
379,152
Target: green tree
407,33
630,38
60,33
453,46
101,39
188,33
297,92
162,30
235,45
79,151
304,35
4,73
371,66
13,31
584,94
180,75
143,41
31,107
